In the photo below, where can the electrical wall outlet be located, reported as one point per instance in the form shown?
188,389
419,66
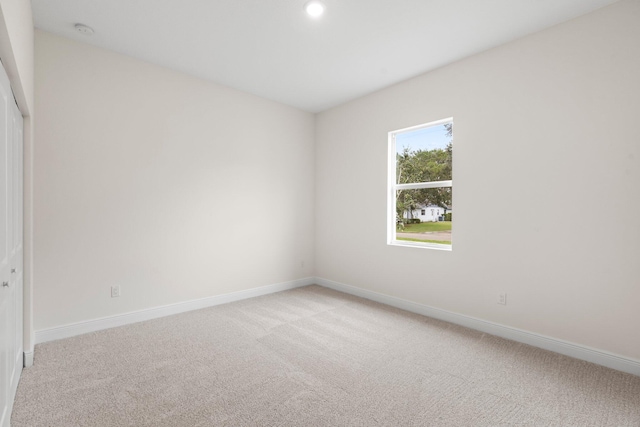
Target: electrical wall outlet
502,298
115,291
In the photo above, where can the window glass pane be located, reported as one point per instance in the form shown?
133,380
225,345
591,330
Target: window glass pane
424,155
434,226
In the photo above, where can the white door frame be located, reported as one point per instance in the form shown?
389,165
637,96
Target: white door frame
18,43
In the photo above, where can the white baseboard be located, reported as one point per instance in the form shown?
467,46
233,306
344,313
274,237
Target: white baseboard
28,358
588,354
93,325
577,351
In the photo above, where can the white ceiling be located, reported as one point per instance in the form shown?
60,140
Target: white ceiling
271,48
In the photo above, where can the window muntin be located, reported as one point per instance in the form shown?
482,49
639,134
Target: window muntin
420,185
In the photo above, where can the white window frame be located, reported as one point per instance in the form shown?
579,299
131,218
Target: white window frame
392,187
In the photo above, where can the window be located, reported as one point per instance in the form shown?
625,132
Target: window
420,178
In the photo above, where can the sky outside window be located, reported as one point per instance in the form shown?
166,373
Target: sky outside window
434,137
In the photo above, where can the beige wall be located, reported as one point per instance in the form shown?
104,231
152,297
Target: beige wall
169,186
546,185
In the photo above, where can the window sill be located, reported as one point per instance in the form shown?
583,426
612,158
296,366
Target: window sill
410,244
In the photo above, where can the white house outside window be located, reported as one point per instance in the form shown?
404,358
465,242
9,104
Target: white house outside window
420,209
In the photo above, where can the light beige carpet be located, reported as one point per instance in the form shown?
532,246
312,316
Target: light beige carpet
313,357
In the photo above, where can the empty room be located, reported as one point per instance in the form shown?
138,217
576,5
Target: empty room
241,213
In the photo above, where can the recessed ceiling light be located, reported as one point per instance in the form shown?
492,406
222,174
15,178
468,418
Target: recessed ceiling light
314,9
83,29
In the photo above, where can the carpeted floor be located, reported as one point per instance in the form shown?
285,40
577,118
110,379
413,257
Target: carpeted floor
313,357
